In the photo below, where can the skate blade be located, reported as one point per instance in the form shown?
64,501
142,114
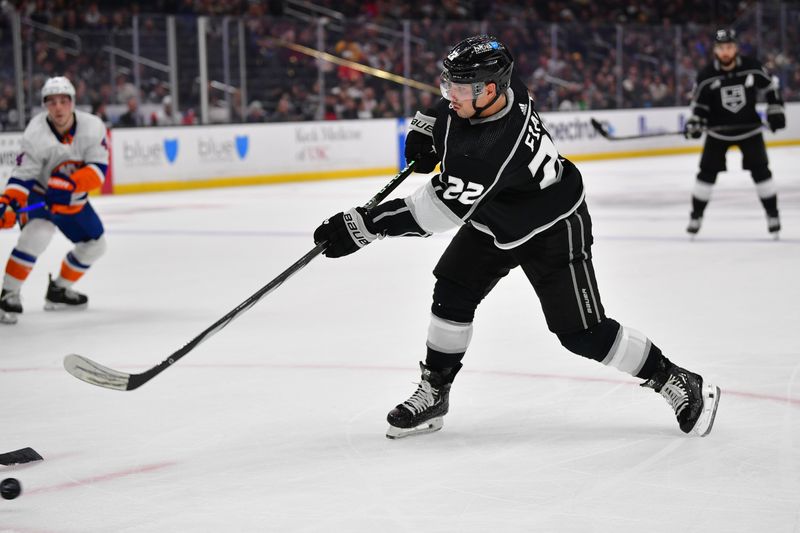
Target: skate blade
434,424
52,306
8,318
705,422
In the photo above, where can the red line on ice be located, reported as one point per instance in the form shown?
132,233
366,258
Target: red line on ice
726,391
102,477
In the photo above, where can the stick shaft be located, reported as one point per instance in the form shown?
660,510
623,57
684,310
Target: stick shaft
31,207
727,127
96,374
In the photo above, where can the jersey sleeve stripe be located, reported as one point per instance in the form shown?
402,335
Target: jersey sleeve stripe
390,213
100,169
17,184
430,213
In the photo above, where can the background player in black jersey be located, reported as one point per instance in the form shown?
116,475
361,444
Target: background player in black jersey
517,203
725,97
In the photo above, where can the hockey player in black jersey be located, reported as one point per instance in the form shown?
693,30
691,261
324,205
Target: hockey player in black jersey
725,96
516,202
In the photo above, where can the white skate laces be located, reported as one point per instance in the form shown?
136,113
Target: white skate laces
423,397
674,391
693,400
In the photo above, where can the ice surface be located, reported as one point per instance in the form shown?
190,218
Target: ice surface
277,423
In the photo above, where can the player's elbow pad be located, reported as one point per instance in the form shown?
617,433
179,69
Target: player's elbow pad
87,178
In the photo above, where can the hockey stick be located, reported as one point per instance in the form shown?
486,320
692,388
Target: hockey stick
87,370
32,207
601,129
24,455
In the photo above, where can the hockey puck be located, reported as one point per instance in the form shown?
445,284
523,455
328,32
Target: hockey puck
10,488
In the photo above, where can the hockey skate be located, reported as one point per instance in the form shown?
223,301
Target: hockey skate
424,411
774,226
63,298
693,400
694,225
10,306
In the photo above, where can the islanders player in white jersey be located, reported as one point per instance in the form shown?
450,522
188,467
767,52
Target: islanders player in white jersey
64,156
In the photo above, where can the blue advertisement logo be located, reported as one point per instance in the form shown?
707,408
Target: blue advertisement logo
242,142
171,149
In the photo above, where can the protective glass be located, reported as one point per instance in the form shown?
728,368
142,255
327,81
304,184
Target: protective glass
460,91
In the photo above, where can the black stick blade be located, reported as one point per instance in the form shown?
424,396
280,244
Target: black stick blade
24,455
599,127
95,373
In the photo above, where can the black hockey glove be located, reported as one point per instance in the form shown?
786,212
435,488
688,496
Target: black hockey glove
776,120
345,232
694,127
419,143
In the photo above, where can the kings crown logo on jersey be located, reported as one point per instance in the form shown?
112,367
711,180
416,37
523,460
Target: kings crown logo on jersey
734,98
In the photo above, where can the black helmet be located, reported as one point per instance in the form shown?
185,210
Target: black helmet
725,35
477,59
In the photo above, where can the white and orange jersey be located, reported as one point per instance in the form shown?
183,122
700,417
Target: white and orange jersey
46,153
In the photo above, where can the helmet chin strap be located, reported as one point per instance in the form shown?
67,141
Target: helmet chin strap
479,110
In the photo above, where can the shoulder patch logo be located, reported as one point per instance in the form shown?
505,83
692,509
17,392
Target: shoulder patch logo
523,108
734,98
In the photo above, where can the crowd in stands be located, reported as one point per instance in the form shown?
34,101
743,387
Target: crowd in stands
566,51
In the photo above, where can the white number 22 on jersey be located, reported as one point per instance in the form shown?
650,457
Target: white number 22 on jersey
457,190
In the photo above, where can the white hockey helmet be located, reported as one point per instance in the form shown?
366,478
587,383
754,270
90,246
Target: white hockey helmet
58,85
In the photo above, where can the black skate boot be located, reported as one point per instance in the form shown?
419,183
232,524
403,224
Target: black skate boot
59,298
424,410
695,222
774,225
10,306
693,400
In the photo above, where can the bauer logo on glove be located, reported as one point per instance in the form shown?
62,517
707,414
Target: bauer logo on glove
355,232
345,232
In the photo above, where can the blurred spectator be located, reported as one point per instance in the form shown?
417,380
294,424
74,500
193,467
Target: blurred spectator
189,117
566,50
218,111
283,111
659,91
92,17
349,108
132,117
166,116
255,112
124,90
364,111
99,109
5,121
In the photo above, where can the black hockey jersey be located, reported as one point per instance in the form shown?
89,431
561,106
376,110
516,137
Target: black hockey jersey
728,98
503,173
